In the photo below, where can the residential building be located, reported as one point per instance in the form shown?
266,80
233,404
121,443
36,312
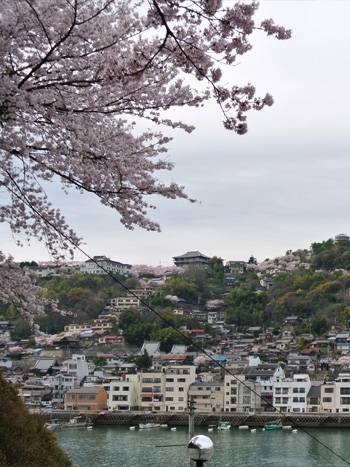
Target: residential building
313,401
207,396
166,390
236,267
86,398
60,384
77,366
265,374
32,394
335,395
124,393
191,259
98,324
104,265
299,363
241,395
178,379
290,395
122,303
342,342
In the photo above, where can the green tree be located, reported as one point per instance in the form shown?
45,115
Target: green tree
24,441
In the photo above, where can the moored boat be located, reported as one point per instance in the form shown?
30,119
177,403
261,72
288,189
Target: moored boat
145,426
274,425
77,422
54,424
224,426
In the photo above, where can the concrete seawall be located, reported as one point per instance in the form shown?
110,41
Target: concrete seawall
305,420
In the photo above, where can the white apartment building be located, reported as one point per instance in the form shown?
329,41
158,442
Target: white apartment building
290,395
78,367
123,393
241,395
104,265
335,395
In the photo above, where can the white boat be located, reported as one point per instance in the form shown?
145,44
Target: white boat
224,426
77,422
53,425
145,426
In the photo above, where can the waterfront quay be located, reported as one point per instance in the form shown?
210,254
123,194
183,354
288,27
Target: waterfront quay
295,420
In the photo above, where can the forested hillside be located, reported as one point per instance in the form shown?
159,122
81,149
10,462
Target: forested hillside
312,284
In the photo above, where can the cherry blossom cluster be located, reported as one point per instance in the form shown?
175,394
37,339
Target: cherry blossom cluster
143,270
22,293
214,304
78,83
288,262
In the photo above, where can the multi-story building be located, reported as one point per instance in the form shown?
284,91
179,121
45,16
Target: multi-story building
241,395
290,395
335,395
191,259
166,390
207,396
98,324
60,385
122,303
265,374
104,265
123,393
77,366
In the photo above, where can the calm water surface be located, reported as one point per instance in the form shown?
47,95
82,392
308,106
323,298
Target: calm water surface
109,446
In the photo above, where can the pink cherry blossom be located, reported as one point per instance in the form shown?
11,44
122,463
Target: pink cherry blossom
79,81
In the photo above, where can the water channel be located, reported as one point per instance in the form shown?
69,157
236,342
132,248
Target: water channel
109,446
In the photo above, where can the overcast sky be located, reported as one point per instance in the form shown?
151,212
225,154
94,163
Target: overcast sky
283,185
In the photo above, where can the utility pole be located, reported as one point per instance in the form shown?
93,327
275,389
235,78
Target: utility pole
191,422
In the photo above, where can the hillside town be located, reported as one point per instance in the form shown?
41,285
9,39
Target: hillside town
88,368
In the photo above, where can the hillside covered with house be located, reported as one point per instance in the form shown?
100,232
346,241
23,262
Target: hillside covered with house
279,326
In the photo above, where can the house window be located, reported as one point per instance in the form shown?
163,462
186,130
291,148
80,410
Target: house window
344,390
169,389
278,391
125,388
285,391
181,380
169,380
328,390
345,400
234,391
169,399
86,397
327,399
116,389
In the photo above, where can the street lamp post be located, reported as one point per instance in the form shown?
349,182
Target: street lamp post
200,449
